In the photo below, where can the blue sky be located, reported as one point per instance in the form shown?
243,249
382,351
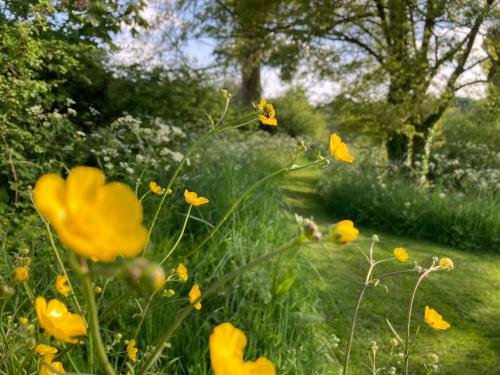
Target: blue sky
148,49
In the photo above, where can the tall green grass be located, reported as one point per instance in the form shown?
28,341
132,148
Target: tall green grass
269,304
392,203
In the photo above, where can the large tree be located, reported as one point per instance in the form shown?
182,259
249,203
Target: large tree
410,53
249,34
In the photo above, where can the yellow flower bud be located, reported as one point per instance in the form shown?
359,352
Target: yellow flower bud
446,264
343,232
401,254
21,274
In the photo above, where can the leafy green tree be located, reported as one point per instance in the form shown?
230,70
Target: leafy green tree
42,47
393,51
248,33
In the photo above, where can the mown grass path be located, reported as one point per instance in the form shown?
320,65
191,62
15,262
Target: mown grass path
468,297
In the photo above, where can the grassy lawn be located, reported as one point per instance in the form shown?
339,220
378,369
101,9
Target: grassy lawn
468,297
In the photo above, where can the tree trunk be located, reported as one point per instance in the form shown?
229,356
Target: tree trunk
397,147
251,89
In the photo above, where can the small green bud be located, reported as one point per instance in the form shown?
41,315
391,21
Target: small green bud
433,358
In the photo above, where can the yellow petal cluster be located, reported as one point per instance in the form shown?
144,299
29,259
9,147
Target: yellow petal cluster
57,321
401,254
194,294
339,149
48,353
132,350
62,285
343,232
21,274
43,349
434,319
227,344
182,272
193,199
155,188
57,366
267,113
23,320
446,264
94,219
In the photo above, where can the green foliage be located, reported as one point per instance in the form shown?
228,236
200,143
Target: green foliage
369,195
279,321
297,117
465,153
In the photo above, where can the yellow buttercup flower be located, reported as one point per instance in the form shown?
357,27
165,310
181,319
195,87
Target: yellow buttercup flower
48,353
57,321
155,188
446,264
62,285
227,344
21,274
339,149
94,219
23,321
44,350
132,350
343,232
401,254
45,370
267,114
182,272
434,319
97,290
194,294
193,199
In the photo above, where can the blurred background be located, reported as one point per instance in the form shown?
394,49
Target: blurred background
413,86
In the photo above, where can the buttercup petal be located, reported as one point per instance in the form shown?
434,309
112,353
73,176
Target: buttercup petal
334,143
82,185
49,197
262,366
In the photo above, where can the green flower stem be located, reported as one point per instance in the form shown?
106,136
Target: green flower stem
58,257
28,291
243,197
356,310
410,310
88,293
181,165
180,236
160,345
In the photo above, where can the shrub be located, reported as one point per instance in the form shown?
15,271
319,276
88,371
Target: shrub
465,152
297,117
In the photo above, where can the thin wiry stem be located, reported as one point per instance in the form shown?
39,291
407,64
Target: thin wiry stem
88,293
181,234
243,197
356,309
410,310
191,149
